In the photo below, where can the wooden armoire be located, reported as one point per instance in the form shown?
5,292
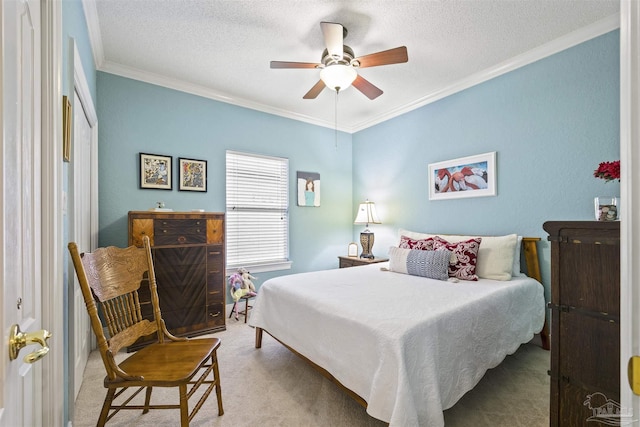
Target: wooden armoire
189,261
585,319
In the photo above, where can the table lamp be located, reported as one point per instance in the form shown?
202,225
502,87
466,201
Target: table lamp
367,215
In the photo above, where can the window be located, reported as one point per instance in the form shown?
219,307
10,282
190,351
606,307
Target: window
257,212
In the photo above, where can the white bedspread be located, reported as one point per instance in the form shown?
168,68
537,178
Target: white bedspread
409,346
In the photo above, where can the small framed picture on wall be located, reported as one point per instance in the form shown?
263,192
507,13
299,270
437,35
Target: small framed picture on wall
308,189
192,175
155,171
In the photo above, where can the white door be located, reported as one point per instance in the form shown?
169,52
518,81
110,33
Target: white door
20,226
83,182
81,218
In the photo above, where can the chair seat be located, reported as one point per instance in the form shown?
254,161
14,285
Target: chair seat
183,358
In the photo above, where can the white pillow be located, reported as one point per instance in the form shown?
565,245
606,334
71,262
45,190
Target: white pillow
517,271
495,256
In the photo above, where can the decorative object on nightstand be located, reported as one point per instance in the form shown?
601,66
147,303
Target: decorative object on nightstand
367,215
349,261
353,250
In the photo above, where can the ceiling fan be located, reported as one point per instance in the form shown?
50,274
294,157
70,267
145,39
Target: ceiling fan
338,64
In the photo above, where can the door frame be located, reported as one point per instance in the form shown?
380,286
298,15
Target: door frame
52,209
630,207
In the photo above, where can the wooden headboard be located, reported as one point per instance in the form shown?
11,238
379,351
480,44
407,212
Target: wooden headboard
530,248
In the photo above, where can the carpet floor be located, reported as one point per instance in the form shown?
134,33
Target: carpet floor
273,387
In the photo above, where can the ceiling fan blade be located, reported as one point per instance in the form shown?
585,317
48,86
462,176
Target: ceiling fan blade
284,64
364,86
315,90
333,38
391,56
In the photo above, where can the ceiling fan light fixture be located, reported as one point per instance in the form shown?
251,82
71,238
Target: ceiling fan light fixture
338,76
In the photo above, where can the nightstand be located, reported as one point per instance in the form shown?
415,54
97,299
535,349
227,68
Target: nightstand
352,261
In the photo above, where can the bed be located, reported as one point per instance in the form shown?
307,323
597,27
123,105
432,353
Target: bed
406,347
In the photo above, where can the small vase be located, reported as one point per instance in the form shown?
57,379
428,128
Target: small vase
606,208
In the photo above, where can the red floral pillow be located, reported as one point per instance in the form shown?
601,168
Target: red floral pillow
466,253
423,244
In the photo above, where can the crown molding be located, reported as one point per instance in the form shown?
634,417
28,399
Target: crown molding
93,28
198,90
574,38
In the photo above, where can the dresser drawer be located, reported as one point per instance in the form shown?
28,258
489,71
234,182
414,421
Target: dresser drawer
215,315
215,293
215,270
179,231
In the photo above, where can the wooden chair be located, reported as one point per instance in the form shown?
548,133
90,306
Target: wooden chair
111,277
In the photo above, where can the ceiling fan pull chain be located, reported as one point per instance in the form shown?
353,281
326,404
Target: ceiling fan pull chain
336,118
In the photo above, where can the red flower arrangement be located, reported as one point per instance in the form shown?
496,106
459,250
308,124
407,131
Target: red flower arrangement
608,171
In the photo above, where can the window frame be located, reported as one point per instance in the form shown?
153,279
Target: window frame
248,203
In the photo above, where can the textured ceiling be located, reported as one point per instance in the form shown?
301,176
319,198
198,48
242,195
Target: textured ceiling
221,49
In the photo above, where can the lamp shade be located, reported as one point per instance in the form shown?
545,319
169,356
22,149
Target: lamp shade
367,214
338,76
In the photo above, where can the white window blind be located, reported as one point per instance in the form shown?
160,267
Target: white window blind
257,212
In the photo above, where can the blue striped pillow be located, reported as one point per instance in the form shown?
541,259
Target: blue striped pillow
431,264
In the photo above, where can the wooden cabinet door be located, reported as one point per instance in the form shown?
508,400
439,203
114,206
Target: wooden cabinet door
138,228
585,301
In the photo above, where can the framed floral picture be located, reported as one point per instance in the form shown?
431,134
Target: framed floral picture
473,176
155,171
192,175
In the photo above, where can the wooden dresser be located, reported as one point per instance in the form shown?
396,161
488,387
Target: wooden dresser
189,261
585,318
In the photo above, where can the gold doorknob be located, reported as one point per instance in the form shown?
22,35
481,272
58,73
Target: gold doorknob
633,371
18,339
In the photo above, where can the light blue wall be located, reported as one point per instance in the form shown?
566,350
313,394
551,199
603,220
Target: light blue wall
138,117
75,29
551,123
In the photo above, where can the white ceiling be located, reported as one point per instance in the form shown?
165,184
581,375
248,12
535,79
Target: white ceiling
221,49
